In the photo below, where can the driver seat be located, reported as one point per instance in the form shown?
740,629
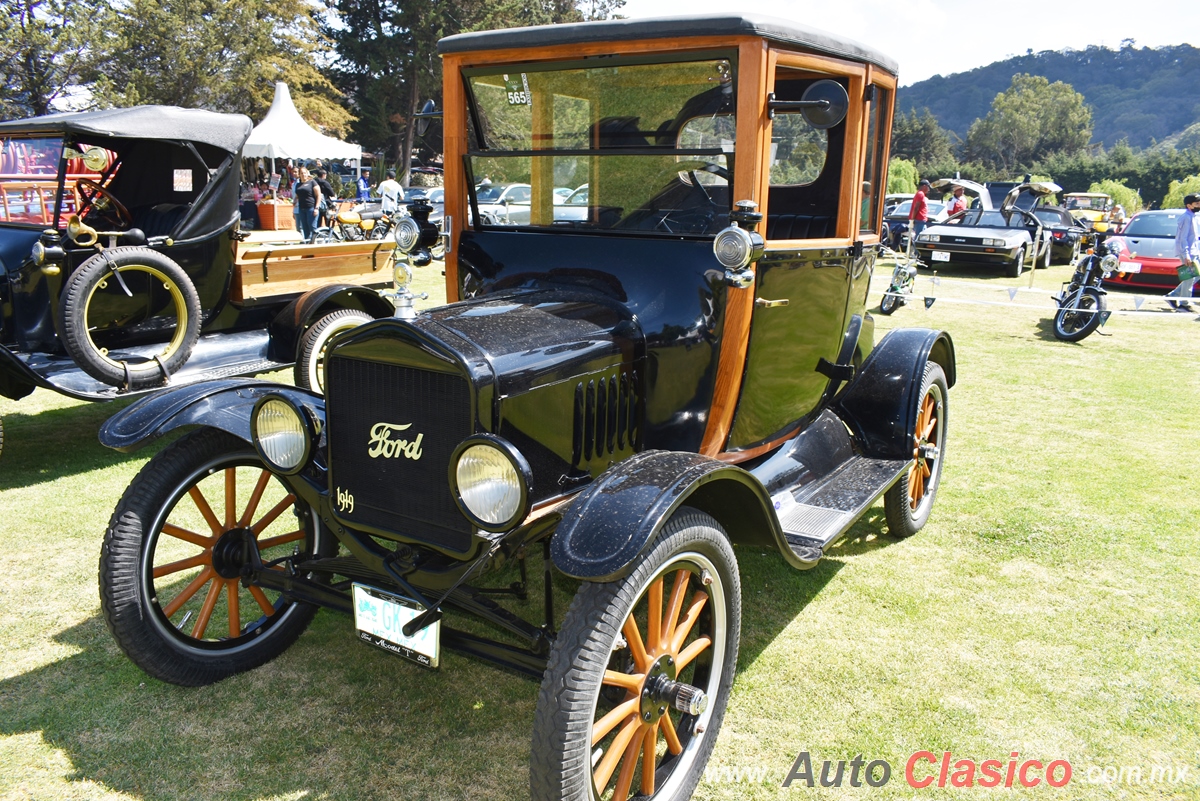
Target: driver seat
159,219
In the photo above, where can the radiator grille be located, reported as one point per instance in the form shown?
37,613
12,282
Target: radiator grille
392,430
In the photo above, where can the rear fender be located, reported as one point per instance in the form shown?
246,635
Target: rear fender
288,326
879,405
613,521
226,404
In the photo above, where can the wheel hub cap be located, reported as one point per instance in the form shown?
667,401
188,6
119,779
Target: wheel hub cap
228,555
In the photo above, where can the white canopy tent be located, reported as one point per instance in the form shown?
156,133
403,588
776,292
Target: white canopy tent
283,134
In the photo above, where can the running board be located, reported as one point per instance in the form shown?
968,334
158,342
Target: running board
815,516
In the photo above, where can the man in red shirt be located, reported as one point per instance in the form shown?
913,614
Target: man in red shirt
918,212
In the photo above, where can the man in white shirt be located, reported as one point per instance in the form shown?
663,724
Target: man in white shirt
1187,248
390,192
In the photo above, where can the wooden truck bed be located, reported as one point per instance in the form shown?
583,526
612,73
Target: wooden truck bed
270,272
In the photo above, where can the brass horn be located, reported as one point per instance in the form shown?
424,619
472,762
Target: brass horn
81,233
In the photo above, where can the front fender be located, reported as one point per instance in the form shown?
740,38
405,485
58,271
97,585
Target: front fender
618,515
302,312
225,404
879,405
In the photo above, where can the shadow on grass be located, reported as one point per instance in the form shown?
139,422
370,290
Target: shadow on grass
54,443
331,717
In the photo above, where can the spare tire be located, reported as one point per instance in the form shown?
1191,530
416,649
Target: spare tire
136,290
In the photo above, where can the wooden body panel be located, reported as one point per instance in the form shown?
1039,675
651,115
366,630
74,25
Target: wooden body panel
272,272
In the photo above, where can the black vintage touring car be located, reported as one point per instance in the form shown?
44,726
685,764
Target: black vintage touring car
122,268
686,366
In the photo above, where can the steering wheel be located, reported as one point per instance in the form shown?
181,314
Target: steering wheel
101,200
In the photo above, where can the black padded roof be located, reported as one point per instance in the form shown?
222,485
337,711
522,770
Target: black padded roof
772,28
225,131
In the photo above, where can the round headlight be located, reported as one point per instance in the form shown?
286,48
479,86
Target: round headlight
281,434
1109,263
491,482
408,233
38,254
733,247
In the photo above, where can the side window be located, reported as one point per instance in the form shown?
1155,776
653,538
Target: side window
804,165
873,178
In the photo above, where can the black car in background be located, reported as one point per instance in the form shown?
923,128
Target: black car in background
1067,235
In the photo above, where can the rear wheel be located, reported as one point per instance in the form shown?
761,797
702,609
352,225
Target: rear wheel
130,292
908,503
172,557
639,676
1079,315
1015,267
310,363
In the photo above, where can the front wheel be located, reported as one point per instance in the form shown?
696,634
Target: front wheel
309,372
908,503
171,561
637,681
1017,265
889,302
1079,315
1045,263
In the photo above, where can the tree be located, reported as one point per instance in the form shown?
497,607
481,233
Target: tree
1030,120
901,176
223,56
920,139
44,48
387,62
1122,195
1179,189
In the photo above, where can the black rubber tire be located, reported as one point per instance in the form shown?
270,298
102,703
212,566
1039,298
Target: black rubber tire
906,514
311,357
1079,315
1017,266
1046,256
130,598
561,766
889,302
77,297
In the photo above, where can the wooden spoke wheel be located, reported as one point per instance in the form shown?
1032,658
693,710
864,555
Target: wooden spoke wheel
908,503
171,564
640,674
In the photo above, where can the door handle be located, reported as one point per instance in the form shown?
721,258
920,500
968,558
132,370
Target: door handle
770,304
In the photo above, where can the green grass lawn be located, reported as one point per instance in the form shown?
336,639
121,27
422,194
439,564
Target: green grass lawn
1051,607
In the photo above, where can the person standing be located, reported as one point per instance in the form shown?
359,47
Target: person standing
364,185
325,210
390,193
956,203
308,197
918,212
1187,250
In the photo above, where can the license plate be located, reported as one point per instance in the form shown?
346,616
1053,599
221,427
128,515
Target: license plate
1129,267
939,255
379,618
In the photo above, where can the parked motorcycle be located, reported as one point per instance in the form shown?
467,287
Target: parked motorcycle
904,276
365,221
1082,307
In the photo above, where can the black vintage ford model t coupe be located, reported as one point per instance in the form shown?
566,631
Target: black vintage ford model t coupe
122,267
684,366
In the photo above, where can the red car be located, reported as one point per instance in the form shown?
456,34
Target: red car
1147,251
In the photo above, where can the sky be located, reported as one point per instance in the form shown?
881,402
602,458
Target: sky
942,37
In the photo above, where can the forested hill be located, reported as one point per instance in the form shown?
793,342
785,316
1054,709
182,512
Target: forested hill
1140,94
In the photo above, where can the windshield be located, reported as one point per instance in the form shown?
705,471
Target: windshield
903,209
1050,217
1087,203
654,143
29,177
978,218
1154,225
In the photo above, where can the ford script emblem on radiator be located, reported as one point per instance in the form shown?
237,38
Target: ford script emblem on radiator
382,444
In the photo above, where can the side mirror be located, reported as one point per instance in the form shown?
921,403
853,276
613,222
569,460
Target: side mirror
422,118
